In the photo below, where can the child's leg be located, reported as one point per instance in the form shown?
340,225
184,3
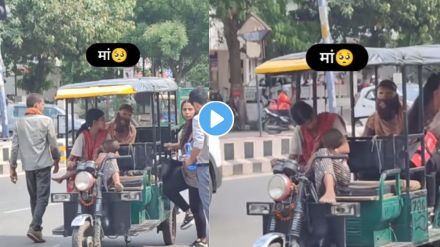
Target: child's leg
68,174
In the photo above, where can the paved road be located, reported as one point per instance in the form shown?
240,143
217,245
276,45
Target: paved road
15,218
230,226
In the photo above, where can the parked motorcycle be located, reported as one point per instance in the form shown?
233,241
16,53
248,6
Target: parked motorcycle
295,218
274,123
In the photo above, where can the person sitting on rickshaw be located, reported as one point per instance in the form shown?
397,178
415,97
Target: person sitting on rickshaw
283,102
310,129
90,137
121,128
431,104
388,118
111,171
330,174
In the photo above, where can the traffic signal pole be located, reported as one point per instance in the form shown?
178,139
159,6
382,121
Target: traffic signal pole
326,39
3,107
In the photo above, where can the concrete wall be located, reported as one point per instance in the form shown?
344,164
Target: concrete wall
244,153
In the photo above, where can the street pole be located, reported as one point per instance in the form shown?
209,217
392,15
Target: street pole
326,39
3,108
260,128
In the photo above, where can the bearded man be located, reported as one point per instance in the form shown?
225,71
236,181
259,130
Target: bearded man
121,128
388,118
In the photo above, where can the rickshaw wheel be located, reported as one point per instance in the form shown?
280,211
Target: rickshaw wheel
79,235
168,228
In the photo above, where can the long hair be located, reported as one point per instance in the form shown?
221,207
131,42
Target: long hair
414,124
187,128
91,116
302,112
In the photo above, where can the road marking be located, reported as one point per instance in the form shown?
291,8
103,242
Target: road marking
247,176
25,209
57,245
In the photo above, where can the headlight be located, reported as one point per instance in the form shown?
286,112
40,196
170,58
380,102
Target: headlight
84,181
258,208
279,187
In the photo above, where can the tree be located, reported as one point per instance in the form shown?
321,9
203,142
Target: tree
288,34
199,74
40,33
380,23
173,33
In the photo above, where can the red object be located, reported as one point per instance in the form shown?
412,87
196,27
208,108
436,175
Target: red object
283,102
92,145
430,145
273,106
325,122
71,185
236,93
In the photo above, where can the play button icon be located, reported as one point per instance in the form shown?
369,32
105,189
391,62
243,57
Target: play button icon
216,118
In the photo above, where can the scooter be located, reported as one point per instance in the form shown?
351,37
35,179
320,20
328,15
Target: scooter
274,123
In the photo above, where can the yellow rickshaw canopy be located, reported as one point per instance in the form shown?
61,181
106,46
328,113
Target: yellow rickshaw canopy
75,93
116,87
276,66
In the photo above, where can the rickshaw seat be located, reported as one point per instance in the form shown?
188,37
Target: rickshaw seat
125,163
140,154
132,181
363,188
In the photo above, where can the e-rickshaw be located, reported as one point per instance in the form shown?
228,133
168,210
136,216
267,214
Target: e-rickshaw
96,211
378,208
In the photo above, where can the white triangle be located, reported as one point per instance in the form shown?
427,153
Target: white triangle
216,119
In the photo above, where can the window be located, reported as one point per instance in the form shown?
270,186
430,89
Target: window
51,112
370,95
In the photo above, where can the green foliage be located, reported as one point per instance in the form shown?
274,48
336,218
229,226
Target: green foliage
41,31
199,74
165,40
374,22
175,33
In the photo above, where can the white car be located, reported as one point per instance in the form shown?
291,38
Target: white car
365,104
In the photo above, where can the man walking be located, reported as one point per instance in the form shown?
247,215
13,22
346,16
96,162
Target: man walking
35,141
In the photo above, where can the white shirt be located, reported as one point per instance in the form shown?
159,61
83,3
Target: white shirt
200,141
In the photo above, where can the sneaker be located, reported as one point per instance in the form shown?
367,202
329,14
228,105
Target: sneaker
187,221
199,243
36,236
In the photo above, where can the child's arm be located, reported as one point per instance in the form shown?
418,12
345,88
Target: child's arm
96,152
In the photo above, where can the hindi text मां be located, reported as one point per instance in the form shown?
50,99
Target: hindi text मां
328,57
